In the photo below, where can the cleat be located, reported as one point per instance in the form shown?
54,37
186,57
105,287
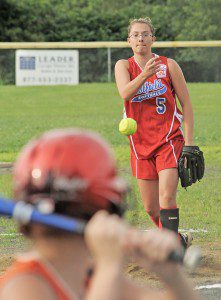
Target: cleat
186,239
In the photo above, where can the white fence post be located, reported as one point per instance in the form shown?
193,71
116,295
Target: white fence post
109,64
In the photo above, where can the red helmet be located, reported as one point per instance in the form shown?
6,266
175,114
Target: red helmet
69,165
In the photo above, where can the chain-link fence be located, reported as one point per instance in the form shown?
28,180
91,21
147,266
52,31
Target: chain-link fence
199,64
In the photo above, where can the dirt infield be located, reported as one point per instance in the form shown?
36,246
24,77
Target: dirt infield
208,272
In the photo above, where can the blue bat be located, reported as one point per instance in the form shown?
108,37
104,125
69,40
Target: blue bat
26,213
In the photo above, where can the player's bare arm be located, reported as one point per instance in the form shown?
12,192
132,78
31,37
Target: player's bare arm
104,235
179,84
152,254
128,88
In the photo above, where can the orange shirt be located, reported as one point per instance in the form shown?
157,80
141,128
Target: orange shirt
36,267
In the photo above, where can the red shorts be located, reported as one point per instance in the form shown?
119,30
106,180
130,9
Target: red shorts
165,157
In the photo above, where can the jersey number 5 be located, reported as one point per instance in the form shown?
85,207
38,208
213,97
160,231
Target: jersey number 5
161,107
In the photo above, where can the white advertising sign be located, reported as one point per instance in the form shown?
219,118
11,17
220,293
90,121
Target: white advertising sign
47,67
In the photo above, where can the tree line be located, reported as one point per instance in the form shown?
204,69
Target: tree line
107,20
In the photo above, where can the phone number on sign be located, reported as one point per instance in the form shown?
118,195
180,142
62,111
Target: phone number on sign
47,79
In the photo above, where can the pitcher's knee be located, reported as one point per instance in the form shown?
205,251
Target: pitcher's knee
167,201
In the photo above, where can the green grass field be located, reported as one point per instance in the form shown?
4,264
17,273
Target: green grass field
27,111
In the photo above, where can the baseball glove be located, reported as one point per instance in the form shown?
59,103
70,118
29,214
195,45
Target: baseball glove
190,165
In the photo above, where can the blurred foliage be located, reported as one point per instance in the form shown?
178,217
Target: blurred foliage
107,20
90,20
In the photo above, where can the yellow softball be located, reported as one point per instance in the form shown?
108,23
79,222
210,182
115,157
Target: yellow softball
128,126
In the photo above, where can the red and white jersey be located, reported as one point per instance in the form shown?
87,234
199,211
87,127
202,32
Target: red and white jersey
155,110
